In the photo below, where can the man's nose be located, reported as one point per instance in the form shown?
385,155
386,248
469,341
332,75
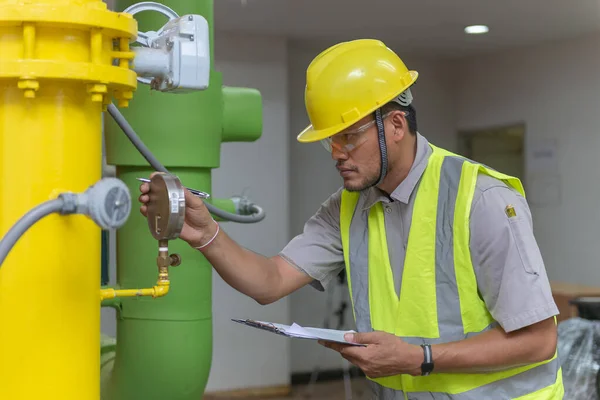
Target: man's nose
338,154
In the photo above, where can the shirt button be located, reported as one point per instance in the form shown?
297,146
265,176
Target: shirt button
388,209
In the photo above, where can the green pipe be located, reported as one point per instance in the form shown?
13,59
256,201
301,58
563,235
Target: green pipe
238,102
112,303
225,205
164,345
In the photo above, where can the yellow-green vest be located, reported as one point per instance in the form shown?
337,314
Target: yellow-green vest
438,300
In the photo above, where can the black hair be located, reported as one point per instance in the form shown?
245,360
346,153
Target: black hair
411,118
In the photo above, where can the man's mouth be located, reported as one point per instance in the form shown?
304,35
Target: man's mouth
345,171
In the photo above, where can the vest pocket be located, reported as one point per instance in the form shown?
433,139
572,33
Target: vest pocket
526,245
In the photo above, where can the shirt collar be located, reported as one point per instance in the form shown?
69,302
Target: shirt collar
403,192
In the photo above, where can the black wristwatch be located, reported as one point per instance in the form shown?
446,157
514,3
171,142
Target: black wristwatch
427,366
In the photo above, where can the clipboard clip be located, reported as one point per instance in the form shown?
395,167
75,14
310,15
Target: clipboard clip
259,325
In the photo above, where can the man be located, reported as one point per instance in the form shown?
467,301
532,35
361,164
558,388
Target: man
448,287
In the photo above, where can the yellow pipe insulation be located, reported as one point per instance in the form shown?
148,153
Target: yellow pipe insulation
56,74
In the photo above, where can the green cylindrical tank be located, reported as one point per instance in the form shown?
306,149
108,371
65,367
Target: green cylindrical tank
164,346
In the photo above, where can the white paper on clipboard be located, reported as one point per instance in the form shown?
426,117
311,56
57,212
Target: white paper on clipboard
299,332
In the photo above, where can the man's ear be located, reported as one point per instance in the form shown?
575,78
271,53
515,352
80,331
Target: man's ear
400,125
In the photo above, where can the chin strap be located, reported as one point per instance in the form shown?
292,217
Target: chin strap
404,99
382,146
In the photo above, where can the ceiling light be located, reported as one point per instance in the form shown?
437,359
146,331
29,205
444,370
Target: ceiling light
476,29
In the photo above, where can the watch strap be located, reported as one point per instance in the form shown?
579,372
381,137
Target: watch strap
427,365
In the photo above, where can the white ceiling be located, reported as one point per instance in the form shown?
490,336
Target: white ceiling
432,27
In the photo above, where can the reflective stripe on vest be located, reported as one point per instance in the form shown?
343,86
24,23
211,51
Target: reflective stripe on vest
528,382
438,300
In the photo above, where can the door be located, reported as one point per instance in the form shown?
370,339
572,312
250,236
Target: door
501,148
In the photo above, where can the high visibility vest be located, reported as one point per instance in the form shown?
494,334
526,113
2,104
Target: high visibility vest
438,301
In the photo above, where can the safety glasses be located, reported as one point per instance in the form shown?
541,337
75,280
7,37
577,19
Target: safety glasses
350,139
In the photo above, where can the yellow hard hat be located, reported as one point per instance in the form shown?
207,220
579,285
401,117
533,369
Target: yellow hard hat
347,82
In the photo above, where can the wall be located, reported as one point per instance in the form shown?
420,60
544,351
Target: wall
313,178
555,90
243,357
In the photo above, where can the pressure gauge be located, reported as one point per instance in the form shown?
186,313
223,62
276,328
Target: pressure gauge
166,208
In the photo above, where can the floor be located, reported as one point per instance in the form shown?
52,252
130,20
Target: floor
333,390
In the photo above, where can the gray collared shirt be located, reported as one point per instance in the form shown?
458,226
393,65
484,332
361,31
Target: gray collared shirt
509,268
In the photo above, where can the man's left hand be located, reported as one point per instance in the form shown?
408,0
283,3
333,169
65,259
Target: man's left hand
384,354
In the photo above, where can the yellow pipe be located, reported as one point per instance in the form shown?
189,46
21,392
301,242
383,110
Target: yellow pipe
49,338
160,290
163,261
56,73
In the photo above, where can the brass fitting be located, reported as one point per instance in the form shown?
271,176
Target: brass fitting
163,261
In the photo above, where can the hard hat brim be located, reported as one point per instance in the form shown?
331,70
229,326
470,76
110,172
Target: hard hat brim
310,135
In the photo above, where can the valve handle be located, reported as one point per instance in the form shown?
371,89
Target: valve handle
145,38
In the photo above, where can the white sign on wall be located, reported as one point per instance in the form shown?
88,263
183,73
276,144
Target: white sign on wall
542,156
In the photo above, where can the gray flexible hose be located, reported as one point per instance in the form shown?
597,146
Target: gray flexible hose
26,222
147,154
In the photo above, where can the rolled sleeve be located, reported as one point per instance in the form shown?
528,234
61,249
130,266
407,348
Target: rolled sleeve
318,249
509,267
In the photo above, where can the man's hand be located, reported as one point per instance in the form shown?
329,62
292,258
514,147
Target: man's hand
384,354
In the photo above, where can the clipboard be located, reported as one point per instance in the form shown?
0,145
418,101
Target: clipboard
298,332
